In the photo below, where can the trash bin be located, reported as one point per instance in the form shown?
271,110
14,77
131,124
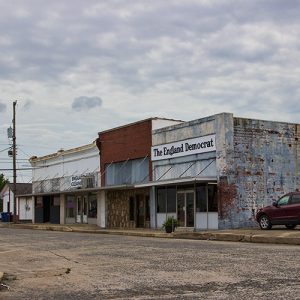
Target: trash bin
5,216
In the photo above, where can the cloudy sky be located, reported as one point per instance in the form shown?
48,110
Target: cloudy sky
78,67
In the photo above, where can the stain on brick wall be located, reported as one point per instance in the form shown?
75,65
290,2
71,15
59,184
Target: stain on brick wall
226,199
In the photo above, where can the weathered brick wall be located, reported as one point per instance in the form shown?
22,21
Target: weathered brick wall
266,165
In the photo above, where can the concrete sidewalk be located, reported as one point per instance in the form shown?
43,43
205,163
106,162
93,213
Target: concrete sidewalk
255,235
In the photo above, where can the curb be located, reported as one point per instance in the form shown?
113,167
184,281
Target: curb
209,236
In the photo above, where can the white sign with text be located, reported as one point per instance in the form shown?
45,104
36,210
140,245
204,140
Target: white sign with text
187,147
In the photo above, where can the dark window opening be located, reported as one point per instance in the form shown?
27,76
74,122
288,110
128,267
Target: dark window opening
161,200
131,208
147,208
212,198
201,199
171,200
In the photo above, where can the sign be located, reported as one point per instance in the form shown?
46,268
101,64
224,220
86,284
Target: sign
76,181
197,145
81,181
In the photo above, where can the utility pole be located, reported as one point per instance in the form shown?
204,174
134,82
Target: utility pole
14,160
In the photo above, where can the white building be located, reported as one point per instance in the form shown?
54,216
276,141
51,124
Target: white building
66,186
24,204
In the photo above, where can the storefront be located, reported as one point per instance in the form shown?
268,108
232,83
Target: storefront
126,162
66,186
81,208
128,208
193,205
47,209
216,172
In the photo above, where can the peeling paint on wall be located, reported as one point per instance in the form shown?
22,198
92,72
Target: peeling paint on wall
267,163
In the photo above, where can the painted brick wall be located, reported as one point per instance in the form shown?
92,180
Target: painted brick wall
266,165
132,141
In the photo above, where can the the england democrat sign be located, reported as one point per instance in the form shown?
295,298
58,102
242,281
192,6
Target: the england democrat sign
187,147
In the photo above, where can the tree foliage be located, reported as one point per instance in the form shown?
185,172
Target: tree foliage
3,181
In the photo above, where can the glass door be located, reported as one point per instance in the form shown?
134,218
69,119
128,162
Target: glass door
186,208
140,211
79,209
190,211
181,209
82,209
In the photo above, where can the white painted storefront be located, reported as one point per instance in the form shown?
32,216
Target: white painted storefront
70,181
185,172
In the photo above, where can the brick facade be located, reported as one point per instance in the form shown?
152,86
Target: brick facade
127,142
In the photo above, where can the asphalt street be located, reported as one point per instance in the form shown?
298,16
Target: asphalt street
62,265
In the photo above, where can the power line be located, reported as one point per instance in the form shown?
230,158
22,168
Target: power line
10,160
24,152
5,149
11,169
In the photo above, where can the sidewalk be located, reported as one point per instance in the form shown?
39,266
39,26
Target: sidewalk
254,235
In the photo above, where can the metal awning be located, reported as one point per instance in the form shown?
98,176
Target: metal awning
210,179
81,191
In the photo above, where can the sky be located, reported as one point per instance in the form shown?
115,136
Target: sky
79,67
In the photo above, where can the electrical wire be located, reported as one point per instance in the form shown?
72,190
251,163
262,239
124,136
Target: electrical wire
24,152
5,149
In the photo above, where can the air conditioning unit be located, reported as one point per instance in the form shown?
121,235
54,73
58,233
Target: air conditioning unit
88,182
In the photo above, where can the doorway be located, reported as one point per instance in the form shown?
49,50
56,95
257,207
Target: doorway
82,209
140,211
186,208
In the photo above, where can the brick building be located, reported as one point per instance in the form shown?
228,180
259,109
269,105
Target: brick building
215,172
125,161
209,173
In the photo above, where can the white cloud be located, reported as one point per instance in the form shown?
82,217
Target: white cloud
177,59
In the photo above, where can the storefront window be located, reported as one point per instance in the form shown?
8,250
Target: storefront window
92,206
70,207
161,200
38,202
171,200
201,199
212,198
55,201
131,208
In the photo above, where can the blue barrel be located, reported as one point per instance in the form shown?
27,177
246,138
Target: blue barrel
5,217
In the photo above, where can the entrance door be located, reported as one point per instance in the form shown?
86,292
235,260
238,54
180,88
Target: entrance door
140,211
82,207
186,208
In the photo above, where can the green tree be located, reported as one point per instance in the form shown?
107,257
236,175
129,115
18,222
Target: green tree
3,181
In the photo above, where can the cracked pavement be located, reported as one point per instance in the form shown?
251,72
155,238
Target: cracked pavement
62,265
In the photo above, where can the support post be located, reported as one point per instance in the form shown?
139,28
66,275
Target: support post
14,161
